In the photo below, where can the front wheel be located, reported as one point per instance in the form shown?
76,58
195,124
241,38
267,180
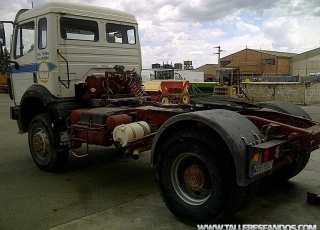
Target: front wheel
42,142
164,99
197,180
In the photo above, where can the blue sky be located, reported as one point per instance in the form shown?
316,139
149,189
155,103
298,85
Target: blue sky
179,30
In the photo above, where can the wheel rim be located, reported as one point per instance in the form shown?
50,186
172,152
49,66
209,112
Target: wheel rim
40,144
165,100
185,99
191,179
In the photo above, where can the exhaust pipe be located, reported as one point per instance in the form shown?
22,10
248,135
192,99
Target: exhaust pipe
129,151
137,151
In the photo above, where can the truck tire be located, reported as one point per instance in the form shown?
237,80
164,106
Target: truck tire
42,145
301,158
196,179
288,171
250,192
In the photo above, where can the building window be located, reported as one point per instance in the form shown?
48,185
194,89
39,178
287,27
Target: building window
225,63
78,29
42,33
269,61
116,33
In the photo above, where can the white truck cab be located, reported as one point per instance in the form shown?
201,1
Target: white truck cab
58,44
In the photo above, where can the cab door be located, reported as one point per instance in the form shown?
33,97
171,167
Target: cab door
24,54
44,55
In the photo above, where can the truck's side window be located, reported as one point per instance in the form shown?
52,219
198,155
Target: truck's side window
24,38
116,33
42,33
78,29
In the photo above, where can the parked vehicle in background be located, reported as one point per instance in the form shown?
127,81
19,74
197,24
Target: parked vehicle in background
166,86
314,76
160,74
191,75
168,91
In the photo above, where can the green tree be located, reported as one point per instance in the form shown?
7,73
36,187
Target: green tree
4,65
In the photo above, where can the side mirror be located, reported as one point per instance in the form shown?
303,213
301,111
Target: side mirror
2,35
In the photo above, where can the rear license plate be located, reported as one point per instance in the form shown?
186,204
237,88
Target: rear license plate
261,168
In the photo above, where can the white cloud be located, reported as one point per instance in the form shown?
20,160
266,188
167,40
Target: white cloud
316,11
178,30
247,27
292,35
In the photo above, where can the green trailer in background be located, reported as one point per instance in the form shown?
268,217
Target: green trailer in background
202,89
228,84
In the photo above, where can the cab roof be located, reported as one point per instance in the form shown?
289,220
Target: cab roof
68,8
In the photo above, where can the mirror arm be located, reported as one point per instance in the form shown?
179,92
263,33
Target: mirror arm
16,64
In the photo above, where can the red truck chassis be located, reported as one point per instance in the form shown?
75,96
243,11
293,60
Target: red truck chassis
191,145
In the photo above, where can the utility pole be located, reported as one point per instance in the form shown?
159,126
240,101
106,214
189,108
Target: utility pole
219,51
219,76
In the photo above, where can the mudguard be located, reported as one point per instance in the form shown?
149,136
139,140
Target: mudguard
235,130
285,107
42,101
40,92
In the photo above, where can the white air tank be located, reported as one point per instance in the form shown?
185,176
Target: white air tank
127,132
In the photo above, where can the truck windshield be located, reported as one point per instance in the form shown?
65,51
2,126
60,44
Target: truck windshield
164,74
78,29
116,33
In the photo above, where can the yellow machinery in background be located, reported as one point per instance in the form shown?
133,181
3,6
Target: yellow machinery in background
229,82
3,84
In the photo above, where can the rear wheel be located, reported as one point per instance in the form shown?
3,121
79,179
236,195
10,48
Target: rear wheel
288,171
196,179
185,98
42,142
